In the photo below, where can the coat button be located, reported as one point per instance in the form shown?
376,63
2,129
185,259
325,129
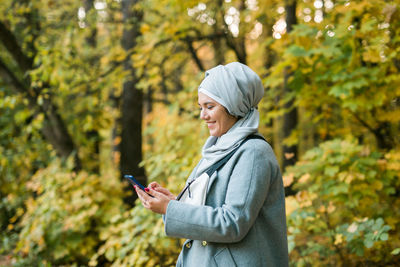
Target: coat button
204,243
188,245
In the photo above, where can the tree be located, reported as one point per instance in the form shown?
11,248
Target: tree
132,99
290,152
37,94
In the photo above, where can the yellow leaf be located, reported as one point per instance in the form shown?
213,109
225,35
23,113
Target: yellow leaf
331,207
144,28
371,55
291,205
352,228
338,239
304,178
304,199
378,185
322,209
289,155
288,179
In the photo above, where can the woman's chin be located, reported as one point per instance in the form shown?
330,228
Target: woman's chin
215,134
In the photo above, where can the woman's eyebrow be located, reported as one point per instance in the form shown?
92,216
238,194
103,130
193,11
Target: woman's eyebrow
207,103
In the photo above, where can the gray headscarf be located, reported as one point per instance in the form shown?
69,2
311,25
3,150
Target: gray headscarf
239,90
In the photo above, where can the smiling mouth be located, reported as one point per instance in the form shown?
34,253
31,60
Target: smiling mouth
209,124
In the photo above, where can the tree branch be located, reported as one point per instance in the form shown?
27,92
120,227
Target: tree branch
10,42
191,38
9,78
194,55
21,87
364,123
54,129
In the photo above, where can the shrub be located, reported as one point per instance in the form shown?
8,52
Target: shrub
347,209
63,221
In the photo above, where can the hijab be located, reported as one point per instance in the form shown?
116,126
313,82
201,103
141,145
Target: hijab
239,89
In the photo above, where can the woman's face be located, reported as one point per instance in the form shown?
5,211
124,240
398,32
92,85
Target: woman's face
214,114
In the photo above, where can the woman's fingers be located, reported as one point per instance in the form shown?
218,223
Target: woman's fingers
155,193
142,195
158,203
154,185
157,187
163,191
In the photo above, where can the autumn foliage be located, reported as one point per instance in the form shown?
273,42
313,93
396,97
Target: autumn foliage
333,65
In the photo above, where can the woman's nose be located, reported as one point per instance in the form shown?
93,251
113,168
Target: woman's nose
203,114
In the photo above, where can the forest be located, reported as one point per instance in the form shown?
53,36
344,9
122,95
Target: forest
91,90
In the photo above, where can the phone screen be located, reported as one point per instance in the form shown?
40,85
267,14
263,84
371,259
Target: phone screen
134,182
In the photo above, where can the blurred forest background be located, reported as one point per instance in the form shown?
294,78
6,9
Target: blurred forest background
91,90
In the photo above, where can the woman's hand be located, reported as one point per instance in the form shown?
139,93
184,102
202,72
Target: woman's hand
155,186
159,202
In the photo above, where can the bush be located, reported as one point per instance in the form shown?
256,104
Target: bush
62,224
347,210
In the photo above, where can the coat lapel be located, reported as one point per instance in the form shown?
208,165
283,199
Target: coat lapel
212,180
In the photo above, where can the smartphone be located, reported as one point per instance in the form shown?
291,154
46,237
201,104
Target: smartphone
134,182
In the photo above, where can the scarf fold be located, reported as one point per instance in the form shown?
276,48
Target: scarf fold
239,90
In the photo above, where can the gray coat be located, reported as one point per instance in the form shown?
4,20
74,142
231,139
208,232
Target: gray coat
243,222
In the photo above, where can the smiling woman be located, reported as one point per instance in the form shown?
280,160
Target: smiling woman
232,209
218,120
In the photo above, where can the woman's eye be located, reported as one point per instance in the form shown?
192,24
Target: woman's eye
210,107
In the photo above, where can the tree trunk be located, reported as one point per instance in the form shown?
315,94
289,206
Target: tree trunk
149,100
237,44
91,39
93,135
219,54
132,102
289,153
269,59
241,39
56,133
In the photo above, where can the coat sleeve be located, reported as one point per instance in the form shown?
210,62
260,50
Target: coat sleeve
247,190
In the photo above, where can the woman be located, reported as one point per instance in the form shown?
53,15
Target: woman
235,215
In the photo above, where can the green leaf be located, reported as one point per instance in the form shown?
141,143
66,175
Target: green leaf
110,254
331,170
296,51
384,236
395,251
368,243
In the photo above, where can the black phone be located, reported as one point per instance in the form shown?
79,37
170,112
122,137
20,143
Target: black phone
134,182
